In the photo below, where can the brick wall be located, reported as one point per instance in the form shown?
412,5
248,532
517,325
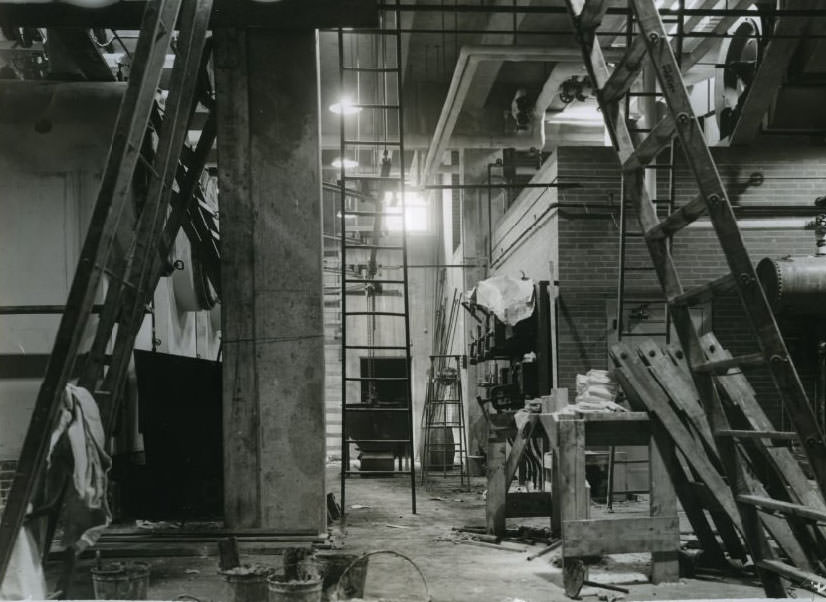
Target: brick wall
588,246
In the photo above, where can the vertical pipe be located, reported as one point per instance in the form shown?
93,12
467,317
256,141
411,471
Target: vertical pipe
404,260
345,446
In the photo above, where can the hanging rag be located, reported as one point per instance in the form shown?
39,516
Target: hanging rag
86,506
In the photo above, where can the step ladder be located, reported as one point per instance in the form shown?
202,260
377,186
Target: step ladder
443,420
376,393
680,121
131,278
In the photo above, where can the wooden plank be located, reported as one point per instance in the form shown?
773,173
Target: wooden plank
804,579
707,292
520,443
784,508
598,537
741,395
771,71
525,504
652,145
496,499
624,73
682,217
637,382
113,196
680,389
665,566
240,419
684,396
572,500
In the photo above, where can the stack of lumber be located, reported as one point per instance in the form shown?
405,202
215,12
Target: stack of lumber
657,380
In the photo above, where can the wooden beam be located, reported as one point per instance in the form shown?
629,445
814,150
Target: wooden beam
598,537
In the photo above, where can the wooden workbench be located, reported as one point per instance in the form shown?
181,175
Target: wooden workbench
569,501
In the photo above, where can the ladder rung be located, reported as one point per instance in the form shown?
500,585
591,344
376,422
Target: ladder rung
807,580
706,292
378,378
379,247
101,393
372,69
377,472
371,143
442,425
377,347
371,213
395,314
378,440
639,268
625,72
375,106
373,281
678,220
370,178
357,408
658,165
723,366
653,144
741,434
786,508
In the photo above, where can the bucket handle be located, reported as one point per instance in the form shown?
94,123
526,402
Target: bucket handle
374,553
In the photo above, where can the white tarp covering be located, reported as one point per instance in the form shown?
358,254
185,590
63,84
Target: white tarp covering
510,299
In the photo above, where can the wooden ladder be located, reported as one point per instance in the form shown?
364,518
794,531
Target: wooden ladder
652,43
134,274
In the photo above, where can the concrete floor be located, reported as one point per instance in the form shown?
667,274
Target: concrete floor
454,571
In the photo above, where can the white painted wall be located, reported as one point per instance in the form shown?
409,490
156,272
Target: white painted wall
48,186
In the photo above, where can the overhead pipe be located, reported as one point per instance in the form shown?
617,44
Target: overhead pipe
466,64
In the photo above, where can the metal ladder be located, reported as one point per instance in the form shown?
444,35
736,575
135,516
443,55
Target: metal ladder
132,278
444,411
612,85
373,226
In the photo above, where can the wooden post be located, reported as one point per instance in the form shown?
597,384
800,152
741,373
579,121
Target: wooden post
273,365
663,502
497,487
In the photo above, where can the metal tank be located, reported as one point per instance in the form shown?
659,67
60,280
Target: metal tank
795,284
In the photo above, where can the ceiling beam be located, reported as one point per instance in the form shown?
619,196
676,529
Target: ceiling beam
771,70
127,14
469,58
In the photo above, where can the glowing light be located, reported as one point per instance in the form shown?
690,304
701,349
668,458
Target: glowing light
415,213
346,163
344,107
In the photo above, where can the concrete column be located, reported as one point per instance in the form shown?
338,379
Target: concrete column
273,346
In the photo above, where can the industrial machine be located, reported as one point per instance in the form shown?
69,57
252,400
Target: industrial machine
796,290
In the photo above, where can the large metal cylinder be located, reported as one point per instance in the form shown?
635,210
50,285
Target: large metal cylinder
794,284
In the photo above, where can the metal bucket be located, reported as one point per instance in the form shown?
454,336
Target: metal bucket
245,587
293,591
118,581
